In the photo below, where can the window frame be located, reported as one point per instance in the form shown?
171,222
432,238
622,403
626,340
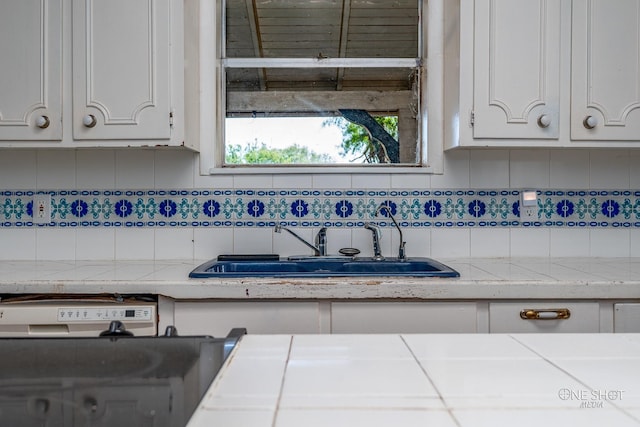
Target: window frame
205,93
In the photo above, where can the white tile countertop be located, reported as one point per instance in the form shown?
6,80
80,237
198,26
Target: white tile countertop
495,278
457,380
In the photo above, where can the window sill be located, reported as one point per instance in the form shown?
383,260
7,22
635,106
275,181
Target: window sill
261,170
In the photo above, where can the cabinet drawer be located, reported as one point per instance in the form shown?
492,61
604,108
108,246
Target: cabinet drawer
544,316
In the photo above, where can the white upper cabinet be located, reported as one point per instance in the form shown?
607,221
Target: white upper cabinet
605,64
517,69
121,69
91,73
548,73
31,70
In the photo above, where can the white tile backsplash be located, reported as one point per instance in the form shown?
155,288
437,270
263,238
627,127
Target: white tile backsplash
331,181
609,169
55,244
174,169
411,181
609,243
569,169
569,242
18,170
252,181
365,181
174,243
418,242
634,238
489,169
135,243
256,240
18,243
285,244
456,171
135,169
96,169
292,181
530,242
55,169
489,242
123,169
211,242
529,169
450,243
95,243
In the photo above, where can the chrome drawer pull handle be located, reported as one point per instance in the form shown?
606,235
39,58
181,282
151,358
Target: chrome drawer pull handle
545,314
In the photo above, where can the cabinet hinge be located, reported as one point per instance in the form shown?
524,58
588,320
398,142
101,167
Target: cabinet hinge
171,119
472,118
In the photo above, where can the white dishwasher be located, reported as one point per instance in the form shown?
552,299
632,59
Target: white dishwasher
76,316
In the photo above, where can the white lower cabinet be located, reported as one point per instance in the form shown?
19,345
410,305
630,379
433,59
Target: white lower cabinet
626,317
544,316
217,318
403,317
306,317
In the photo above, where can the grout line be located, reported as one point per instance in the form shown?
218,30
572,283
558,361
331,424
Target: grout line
549,361
440,396
284,374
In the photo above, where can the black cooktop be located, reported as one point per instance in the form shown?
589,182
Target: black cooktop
107,381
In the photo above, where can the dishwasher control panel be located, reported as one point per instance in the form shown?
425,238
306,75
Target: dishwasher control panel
75,318
89,313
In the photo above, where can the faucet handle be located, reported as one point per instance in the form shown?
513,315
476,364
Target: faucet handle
321,241
402,255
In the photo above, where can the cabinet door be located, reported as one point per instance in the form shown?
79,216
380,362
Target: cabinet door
121,72
259,317
626,317
30,87
403,317
516,69
605,70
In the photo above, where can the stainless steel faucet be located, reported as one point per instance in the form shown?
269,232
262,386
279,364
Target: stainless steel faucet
401,249
321,240
375,230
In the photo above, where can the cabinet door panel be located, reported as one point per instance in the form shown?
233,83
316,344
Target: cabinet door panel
403,317
626,317
121,69
262,317
30,87
516,69
605,70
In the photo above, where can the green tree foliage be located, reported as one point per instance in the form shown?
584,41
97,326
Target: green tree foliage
357,141
259,153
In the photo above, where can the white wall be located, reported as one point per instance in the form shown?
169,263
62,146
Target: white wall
178,169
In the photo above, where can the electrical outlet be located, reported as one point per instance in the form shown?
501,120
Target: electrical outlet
528,205
528,212
42,209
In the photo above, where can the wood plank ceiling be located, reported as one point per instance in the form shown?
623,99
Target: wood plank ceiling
321,29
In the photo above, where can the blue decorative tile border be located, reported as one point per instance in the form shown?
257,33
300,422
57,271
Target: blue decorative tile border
314,208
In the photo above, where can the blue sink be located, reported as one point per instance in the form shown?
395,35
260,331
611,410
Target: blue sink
324,267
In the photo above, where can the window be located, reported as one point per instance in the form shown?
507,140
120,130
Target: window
322,85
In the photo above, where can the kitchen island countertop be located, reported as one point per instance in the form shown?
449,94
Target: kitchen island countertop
490,278
445,380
